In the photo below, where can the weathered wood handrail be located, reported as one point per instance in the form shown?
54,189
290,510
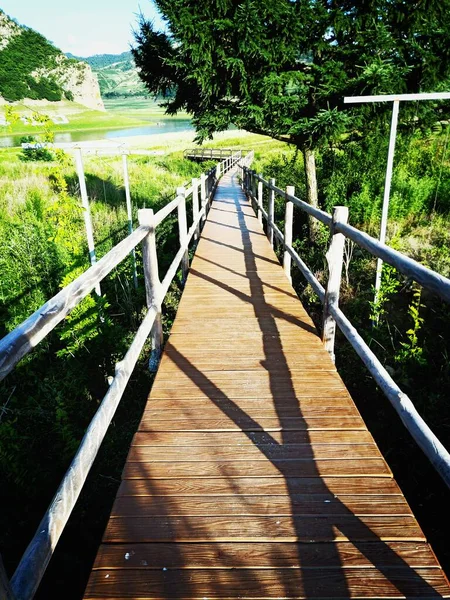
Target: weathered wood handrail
19,342
28,334
419,430
429,279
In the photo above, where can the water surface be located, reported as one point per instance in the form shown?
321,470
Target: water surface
164,125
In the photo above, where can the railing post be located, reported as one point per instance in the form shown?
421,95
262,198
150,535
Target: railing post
183,230
152,284
260,200
334,258
126,181
203,196
195,206
218,171
288,222
252,189
271,212
86,211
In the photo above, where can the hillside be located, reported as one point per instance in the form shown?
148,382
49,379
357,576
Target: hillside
31,67
117,74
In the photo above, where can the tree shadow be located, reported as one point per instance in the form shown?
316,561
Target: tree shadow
308,563
283,391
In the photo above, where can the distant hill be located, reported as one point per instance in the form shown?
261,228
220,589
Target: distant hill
31,67
117,74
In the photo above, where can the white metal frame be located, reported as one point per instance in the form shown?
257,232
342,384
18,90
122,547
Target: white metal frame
396,99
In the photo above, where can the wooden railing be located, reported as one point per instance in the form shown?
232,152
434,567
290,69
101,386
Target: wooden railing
253,185
210,153
24,338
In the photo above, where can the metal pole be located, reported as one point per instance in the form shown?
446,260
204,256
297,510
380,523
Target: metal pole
86,211
126,181
387,192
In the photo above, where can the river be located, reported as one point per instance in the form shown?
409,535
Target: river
162,126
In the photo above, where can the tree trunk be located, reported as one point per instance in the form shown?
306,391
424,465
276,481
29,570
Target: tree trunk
309,161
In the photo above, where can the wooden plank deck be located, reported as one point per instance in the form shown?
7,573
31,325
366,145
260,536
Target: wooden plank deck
252,474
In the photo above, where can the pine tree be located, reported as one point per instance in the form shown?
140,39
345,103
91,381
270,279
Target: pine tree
282,68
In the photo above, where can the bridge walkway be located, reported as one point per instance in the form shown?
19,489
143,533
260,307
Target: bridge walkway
252,474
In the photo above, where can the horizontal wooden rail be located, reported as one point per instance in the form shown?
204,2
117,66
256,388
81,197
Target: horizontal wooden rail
28,334
34,562
414,423
419,430
429,279
15,345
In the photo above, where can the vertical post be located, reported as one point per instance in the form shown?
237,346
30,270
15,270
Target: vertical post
218,171
126,181
387,191
288,222
250,188
253,188
182,228
203,196
334,256
271,212
195,206
86,211
260,200
152,284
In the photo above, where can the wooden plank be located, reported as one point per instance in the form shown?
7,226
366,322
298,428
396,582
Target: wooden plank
243,422
253,406
252,474
249,529
326,487
143,438
221,555
251,380
269,468
235,387
267,583
242,505
252,452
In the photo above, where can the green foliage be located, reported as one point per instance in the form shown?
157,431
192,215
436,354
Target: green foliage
26,53
389,286
39,153
283,68
117,74
100,61
411,351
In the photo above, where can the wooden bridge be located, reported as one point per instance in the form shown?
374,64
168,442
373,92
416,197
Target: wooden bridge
201,154
252,474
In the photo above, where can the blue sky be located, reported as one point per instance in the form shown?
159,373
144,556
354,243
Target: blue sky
83,27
